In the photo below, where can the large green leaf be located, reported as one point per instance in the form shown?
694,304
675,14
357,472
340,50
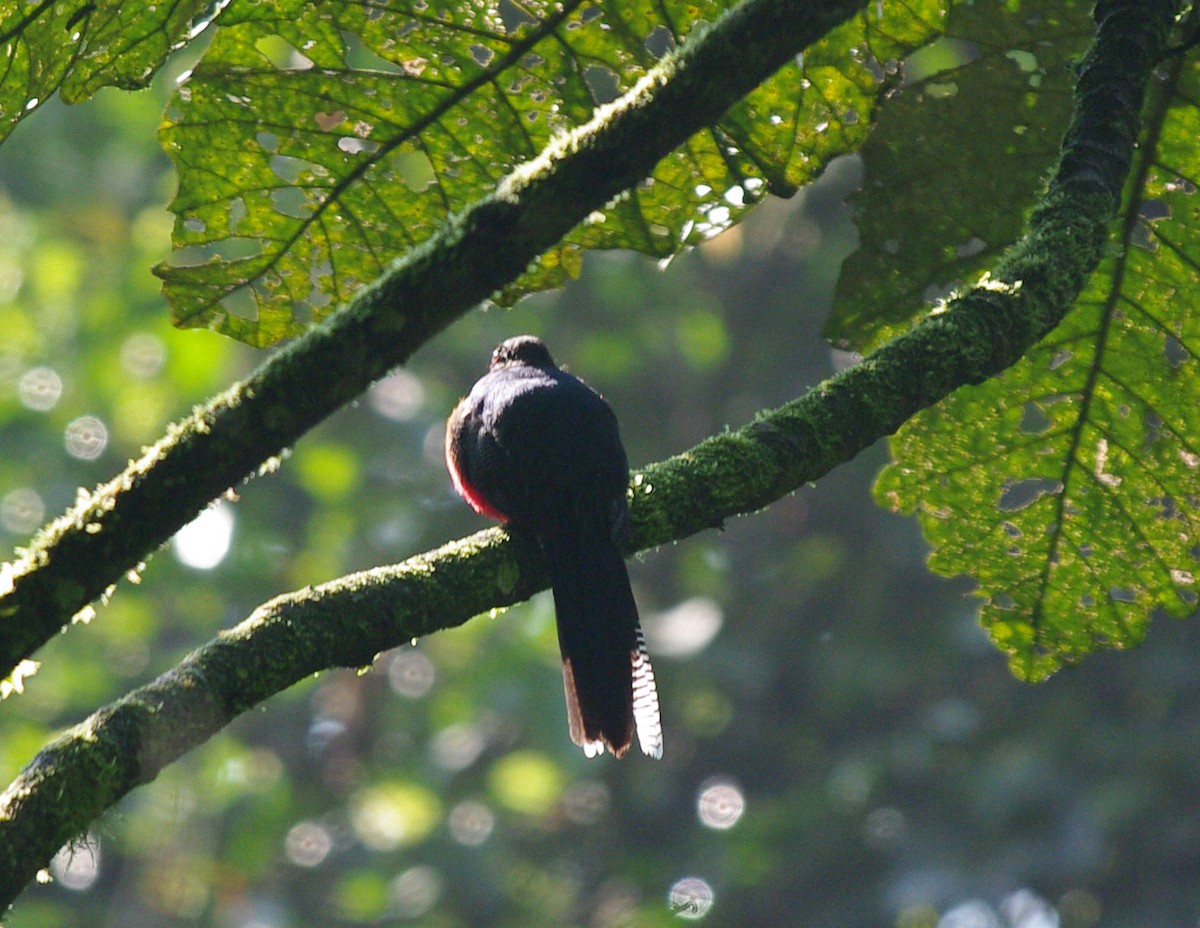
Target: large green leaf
317,142
77,47
1070,487
955,156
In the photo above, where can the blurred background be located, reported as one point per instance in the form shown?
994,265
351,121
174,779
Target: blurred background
843,745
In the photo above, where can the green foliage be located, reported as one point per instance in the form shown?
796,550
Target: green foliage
876,744
316,143
75,48
1067,486
977,123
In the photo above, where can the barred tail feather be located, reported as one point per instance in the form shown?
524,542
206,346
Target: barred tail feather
645,701
607,677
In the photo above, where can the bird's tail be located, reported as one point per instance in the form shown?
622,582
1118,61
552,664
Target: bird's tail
607,676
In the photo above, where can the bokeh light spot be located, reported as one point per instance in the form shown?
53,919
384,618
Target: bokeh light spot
40,389
397,397
143,355
411,674
416,891
690,897
527,781
86,438
21,511
974,913
77,866
456,747
471,823
203,543
850,782
307,844
328,471
720,804
11,277
884,827
586,802
387,815
685,630
1023,908
255,771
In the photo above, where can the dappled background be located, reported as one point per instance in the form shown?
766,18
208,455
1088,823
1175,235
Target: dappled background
843,747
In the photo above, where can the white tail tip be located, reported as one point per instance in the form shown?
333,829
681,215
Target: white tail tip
645,702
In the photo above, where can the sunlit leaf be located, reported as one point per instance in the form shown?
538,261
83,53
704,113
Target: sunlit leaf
315,143
1069,486
977,124
78,47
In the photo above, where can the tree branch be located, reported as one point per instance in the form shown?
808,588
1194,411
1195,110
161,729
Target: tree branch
77,557
349,621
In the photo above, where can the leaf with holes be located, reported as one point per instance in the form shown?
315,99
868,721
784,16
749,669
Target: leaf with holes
1070,486
315,143
78,47
976,123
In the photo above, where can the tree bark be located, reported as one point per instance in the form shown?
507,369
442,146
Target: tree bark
349,621
111,531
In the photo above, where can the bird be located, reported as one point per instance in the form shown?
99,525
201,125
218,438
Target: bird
539,450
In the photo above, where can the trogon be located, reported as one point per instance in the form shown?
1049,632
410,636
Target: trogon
538,449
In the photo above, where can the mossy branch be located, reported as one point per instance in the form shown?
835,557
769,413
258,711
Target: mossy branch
348,621
109,532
